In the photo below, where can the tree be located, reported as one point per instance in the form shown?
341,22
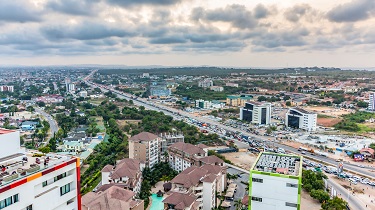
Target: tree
288,103
262,98
362,104
238,204
164,178
335,204
44,150
321,195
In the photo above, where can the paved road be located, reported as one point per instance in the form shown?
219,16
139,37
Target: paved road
241,188
353,201
53,124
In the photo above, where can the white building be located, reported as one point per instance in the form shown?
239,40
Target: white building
230,84
202,104
371,102
183,155
5,88
71,87
83,94
146,75
205,83
145,147
49,182
275,182
257,113
217,88
300,118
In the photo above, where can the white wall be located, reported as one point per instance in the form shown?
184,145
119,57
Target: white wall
10,144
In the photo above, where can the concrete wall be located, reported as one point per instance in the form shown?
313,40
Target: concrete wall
10,144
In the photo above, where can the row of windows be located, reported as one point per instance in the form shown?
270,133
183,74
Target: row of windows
56,178
292,185
9,201
257,180
286,203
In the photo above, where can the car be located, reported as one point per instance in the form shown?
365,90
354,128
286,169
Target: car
239,175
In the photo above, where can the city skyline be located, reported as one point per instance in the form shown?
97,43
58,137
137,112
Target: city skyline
238,33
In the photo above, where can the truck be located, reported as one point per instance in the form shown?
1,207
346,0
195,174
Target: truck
321,153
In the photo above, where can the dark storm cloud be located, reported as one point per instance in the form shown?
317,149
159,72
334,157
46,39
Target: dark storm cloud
74,7
295,13
84,31
260,11
129,3
19,11
235,14
355,10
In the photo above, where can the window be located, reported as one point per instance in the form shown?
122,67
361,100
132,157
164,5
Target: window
9,201
44,183
63,175
30,207
292,185
257,180
64,189
291,204
256,199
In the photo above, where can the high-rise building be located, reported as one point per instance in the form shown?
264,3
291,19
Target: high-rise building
257,113
5,88
27,182
67,82
167,139
145,147
300,118
371,102
275,182
71,87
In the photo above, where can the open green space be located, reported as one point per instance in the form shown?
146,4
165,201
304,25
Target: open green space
355,122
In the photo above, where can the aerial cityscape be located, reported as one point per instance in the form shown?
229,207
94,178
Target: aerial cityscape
187,105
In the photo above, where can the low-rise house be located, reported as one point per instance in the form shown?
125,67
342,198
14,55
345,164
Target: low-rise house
181,201
217,88
367,152
73,146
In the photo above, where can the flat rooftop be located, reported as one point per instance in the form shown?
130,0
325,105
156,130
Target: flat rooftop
5,131
278,163
302,110
20,166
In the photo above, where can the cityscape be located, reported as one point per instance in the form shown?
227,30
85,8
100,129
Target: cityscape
187,105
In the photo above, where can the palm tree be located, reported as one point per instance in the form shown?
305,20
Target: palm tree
238,204
165,178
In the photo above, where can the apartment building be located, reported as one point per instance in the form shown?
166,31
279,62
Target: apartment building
256,113
167,139
127,173
145,147
111,197
371,102
26,182
202,104
275,182
6,88
205,83
300,118
237,101
183,155
201,183
217,88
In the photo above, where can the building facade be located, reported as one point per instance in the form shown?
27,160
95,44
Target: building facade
217,88
301,119
183,155
275,182
371,102
6,88
205,83
256,113
202,104
167,139
237,101
50,182
145,147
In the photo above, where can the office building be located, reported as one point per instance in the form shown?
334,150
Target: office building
275,182
301,119
145,147
110,197
5,88
127,174
205,83
48,182
371,102
202,104
237,101
256,113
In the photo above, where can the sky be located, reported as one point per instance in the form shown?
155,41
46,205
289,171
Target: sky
236,33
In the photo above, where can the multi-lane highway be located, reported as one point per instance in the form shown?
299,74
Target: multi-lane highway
354,202
179,114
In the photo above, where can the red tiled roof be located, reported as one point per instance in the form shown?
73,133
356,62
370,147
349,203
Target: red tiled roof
144,136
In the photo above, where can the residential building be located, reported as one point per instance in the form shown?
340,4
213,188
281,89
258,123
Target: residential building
67,82
167,139
230,84
237,101
6,88
275,182
28,125
217,104
145,147
205,83
145,75
202,104
183,155
217,88
73,146
256,113
111,197
202,183
127,174
71,87
49,182
83,94
371,102
300,118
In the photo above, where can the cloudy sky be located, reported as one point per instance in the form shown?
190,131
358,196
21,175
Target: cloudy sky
244,33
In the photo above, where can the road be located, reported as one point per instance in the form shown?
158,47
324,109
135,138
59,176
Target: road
53,124
241,188
354,202
179,114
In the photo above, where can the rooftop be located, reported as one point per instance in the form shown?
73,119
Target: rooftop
5,131
144,136
302,110
278,163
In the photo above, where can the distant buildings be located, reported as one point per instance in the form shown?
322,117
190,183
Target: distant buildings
146,75
217,88
159,90
49,182
70,87
50,99
300,118
202,104
5,88
229,84
276,182
237,101
145,147
83,94
256,113
206,83
371,102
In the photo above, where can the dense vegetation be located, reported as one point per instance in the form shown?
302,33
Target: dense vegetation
351,121
194,92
